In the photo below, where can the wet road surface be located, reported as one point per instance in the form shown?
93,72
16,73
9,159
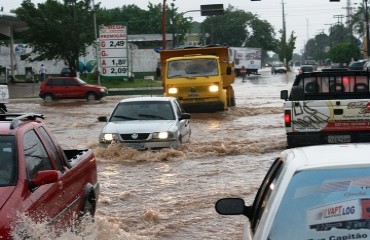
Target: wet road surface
170,194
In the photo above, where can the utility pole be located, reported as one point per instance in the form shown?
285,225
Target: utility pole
164,24
367,30
284,36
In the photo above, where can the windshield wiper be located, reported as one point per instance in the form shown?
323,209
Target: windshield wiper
124,117
151,116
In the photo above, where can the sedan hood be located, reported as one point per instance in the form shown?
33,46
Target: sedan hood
139,126
5,193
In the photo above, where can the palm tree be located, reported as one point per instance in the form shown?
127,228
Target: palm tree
358,21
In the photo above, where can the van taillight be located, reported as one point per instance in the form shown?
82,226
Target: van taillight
287,118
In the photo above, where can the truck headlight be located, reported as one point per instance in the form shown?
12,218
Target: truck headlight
172,90
213,88
163,135
109,137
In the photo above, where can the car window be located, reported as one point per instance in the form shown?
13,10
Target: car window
328,85
321,204
143,110
7,161
35,154
264,192
70,82
55,82
53,149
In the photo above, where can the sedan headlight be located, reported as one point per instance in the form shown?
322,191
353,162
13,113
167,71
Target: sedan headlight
108,137
163,135
213,88
172,90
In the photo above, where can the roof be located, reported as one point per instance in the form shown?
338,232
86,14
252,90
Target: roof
321,156
148,37
133,99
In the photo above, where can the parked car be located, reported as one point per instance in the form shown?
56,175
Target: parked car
357,65
147,123
70,88
278,68
316,192
50,185
66,72
306,68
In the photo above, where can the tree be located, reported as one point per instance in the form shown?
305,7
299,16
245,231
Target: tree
285,49
238,28
341,53
57,30
149,21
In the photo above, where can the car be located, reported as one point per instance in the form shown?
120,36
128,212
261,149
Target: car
146,123
66,72
278,68
54,88
306,68
357,65
315,192
312,63
40,180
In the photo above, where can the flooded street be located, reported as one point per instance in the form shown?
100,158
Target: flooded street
170,194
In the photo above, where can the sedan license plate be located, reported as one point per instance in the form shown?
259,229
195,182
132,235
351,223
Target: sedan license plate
339,138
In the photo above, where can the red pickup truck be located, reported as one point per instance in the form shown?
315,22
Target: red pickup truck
41,180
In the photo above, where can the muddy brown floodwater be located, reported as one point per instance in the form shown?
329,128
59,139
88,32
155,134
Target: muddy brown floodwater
170,194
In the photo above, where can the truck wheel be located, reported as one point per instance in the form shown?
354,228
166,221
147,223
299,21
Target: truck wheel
48,97
91,97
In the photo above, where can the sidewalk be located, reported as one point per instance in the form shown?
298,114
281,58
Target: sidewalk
31,90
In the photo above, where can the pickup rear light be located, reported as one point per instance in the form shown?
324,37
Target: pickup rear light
287,118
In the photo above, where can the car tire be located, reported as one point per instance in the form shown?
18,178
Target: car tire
91,96
48,97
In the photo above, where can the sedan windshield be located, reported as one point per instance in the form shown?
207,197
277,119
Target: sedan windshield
143,110
7,161
325,204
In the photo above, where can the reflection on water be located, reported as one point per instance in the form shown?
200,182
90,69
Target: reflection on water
170,194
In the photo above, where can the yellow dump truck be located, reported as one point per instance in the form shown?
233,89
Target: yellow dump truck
199,77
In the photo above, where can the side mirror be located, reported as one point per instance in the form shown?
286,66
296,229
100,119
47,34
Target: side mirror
228,70
102,119
233,206
45,177
185,116
158,72
284,94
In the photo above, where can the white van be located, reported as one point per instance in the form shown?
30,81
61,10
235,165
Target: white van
331,106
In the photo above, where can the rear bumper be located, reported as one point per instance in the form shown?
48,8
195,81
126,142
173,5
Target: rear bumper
317,138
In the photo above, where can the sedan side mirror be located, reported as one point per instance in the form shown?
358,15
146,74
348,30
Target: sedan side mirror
102,119
185,116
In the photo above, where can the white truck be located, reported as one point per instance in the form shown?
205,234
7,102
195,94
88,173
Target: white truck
250,58
4,92
327,107
351,214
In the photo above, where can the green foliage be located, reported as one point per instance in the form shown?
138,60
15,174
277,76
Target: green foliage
57,30
285,49
343,52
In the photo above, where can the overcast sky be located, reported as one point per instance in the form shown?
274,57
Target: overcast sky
305,17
